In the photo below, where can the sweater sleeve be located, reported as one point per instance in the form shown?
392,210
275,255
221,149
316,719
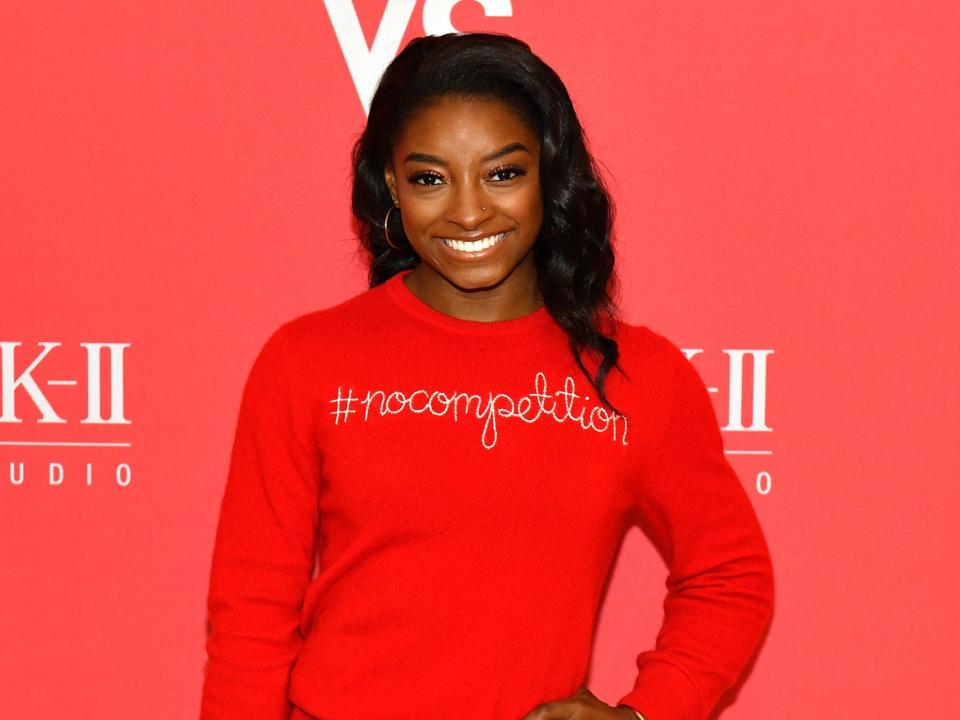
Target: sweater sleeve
264,547
720,583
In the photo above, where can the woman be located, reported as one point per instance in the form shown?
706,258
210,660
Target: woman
429,481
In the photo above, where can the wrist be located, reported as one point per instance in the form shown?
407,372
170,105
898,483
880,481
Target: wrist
633,712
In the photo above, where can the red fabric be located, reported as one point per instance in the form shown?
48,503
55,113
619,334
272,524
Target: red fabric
421,512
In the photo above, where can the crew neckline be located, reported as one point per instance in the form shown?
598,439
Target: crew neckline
403,296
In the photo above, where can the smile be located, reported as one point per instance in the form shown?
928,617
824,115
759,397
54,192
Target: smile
476,245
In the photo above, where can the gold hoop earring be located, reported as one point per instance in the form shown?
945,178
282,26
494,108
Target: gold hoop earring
386,233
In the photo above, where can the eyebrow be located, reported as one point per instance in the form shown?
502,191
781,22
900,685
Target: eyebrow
506,150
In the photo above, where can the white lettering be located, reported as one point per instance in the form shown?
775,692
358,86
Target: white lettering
561,406
56,474
366,65
9,385
94,384
438,14
758,415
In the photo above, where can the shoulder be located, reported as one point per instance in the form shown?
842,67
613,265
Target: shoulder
346,317
320,335
675,381
666,383
656,366
353,319
640,344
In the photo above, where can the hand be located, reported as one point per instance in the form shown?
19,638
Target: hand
582,705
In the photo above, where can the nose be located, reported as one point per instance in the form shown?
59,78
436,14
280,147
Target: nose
468,206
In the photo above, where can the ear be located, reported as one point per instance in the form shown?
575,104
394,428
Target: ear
391,180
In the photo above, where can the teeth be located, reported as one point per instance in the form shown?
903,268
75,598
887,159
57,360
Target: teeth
475,246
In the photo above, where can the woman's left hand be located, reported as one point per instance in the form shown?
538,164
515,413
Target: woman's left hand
582,705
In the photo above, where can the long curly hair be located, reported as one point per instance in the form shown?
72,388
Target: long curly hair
573,254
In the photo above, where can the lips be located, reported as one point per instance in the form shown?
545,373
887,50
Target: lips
474,244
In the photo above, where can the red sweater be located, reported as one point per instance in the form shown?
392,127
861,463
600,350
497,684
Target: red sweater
421,512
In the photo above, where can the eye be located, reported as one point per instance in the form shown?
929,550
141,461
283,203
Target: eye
511,171
415,179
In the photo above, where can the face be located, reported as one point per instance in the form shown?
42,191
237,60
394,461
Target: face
465,174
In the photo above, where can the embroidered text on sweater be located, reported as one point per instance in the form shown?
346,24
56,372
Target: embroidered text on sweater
560,406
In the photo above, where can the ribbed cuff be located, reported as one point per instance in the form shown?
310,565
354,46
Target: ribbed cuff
664,692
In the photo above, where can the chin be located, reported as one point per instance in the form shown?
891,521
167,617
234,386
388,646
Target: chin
476,278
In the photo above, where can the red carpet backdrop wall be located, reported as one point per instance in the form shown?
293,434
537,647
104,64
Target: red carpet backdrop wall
174,184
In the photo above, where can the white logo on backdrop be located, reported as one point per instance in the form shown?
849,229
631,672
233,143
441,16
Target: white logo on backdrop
10,382
758,409
99,382
366,64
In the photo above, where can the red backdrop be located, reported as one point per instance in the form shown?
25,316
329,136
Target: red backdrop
174,182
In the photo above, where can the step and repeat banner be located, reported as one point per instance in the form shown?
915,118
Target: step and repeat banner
174,184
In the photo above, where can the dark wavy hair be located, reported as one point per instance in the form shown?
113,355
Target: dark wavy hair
573,254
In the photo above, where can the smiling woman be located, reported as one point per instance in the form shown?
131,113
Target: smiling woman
471,207
424,498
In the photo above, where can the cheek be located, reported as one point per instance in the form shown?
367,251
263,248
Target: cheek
527,206
417,215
